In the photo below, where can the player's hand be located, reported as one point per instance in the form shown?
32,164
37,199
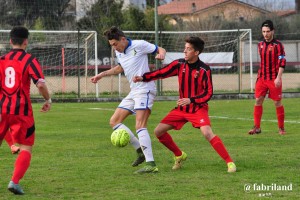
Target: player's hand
96,78
183,101
46,106
136,79
277,82
160,57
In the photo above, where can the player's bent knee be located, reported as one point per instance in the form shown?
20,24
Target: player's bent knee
114,120
277,103
26,148
158,133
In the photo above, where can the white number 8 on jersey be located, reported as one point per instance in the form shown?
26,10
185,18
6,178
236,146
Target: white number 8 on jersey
10,77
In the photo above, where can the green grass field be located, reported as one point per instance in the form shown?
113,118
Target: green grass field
74,159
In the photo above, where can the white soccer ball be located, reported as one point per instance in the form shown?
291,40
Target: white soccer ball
120,138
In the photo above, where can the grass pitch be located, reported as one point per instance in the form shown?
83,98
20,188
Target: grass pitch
74,159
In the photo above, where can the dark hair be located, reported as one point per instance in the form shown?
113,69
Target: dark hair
113,33
18,34
268,23
197,43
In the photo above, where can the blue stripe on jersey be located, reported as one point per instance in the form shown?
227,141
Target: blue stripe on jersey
156,48
129,44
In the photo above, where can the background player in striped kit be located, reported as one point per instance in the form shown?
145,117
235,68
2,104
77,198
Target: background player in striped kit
17,69
195,90
132,58
269,77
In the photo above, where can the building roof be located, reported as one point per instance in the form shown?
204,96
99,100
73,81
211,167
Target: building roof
192,6
285,13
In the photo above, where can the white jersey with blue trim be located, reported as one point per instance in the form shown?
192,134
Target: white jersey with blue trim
134,61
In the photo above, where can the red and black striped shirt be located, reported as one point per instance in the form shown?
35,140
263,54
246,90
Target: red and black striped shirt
195,82
17,68
272,56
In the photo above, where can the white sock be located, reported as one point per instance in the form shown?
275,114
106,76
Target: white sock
133,140
145,142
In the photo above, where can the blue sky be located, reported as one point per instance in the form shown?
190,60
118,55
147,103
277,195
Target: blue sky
272,4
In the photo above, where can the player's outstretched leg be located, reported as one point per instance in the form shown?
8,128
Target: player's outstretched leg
219,147
168,142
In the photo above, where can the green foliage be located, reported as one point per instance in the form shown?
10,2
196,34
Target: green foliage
102,15
294,32
73,157
135,19
19,12
163,21
38,25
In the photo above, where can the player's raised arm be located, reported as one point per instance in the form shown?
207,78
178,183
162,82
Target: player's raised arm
113,71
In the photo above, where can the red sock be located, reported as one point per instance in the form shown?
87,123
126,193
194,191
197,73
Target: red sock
8,138
258,110
280,116
218,145
167,140
21,165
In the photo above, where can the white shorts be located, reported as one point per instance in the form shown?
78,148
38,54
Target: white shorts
138,100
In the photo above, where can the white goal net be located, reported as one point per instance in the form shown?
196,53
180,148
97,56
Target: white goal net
227,52
67,59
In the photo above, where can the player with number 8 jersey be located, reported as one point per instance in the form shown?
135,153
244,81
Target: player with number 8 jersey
17,69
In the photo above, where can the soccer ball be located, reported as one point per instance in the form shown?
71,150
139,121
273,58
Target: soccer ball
120,138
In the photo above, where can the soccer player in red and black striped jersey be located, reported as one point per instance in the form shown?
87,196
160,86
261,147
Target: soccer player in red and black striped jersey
269,77
195,90
17,69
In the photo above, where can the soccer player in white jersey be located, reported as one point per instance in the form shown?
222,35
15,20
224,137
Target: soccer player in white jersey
132,56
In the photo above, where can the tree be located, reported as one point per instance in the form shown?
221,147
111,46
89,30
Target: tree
19,12
101,15
134,19
163,21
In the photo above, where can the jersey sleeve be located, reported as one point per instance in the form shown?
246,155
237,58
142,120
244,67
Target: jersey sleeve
147,47
36,72
281,55
162,73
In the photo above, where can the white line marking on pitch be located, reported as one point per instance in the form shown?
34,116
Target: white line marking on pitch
243,119
219,117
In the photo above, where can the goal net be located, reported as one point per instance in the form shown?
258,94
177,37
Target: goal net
227,52
67,58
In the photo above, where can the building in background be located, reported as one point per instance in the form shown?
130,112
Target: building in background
192,10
